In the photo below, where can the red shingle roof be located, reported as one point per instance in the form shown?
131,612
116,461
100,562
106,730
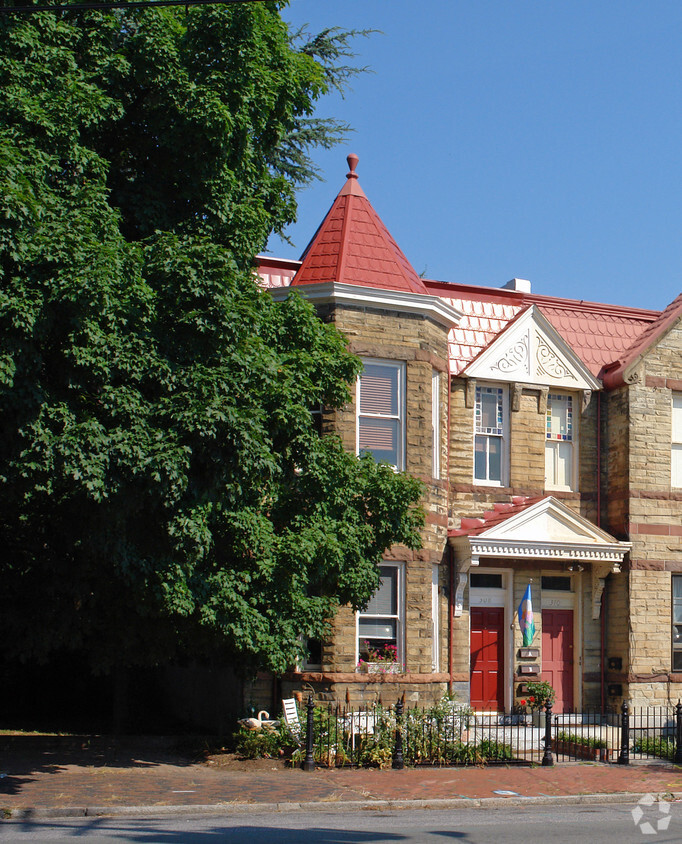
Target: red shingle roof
353,246
596,332
614,376
500,513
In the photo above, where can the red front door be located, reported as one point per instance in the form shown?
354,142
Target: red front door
557,655
487,658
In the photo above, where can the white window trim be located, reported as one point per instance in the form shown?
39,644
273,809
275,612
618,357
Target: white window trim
675,443
504,456
435,422
400,605
435,619
401,417
575,433
673,648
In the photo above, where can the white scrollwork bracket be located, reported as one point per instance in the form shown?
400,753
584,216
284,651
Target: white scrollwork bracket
463,567
600,571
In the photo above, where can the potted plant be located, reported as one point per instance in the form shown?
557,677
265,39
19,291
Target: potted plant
538,694
382,659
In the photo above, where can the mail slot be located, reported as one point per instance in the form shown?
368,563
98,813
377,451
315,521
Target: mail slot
529,669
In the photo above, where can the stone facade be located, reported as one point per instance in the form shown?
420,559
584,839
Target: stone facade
599,548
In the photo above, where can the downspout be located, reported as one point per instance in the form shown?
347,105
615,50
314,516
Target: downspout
602,609
451,618
451,552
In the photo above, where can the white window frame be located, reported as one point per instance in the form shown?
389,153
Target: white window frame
554,441
399,616
435,422
675,628
399,416
435,619
503,436
676,441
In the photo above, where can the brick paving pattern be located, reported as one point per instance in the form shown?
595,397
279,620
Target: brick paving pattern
59,779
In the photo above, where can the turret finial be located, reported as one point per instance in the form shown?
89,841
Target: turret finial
352,160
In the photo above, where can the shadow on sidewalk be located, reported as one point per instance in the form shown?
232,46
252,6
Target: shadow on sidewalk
23,757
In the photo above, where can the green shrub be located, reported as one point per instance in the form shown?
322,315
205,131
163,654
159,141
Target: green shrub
663,748
491,750
262,744
585,741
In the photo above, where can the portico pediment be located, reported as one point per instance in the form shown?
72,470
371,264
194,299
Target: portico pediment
531,350
546,530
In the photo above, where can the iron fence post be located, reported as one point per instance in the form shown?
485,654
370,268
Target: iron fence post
624,755
309,761
398,761
678,733
548,759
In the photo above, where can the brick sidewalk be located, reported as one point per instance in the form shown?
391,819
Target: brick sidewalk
57,780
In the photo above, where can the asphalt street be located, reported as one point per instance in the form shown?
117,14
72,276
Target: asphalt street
597,824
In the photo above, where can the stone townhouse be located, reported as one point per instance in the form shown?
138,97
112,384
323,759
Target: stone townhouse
548,435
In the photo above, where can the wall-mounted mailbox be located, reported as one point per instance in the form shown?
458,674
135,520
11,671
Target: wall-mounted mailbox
529,653
529,669
615,663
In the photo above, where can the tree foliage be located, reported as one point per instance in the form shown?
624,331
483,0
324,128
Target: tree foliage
162,488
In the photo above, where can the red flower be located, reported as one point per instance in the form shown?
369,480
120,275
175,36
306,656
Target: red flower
531,699
523,702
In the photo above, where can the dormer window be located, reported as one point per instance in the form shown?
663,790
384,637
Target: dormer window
490,435
560,442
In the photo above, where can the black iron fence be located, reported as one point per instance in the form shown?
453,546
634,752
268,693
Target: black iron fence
451,734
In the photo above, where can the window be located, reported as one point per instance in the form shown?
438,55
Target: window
677,622
435,422
381,415
490,420
556,584
379,625
559,445
676,445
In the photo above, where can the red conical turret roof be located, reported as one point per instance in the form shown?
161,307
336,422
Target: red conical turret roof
353,246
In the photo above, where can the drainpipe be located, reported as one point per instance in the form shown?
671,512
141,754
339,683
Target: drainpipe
451,617
602,617
451,551
602,609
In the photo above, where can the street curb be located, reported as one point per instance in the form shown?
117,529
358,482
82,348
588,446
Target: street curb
325,806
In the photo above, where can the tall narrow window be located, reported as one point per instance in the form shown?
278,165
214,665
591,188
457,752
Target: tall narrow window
381,415
676,445
560,435
435,422
677,622
489,435
379,625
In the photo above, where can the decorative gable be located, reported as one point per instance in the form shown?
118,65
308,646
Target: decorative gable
532,351
546,530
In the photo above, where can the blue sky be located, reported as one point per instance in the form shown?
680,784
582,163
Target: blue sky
534,138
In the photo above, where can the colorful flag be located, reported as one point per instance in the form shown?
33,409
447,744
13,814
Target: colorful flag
526,622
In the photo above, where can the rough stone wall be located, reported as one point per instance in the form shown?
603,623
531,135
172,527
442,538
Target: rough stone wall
527,455
643,505
527,445
422,345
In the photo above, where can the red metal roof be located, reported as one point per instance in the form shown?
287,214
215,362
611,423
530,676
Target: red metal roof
614,376
500,513
596,332
353,246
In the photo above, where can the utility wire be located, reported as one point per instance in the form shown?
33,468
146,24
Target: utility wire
135,4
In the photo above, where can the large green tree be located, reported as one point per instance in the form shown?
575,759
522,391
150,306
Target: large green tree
162,487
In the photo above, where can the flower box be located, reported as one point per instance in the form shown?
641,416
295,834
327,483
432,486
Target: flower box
581,751
380,668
